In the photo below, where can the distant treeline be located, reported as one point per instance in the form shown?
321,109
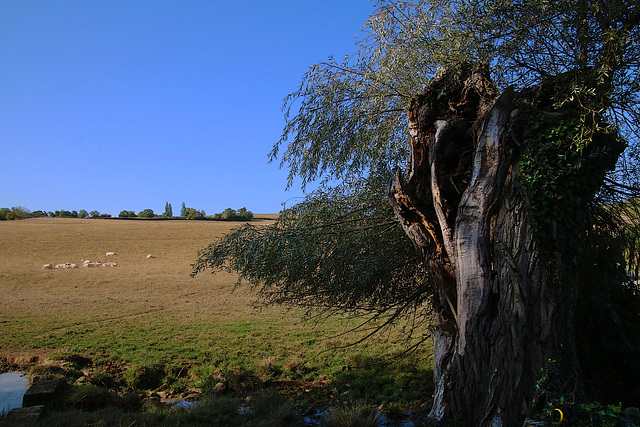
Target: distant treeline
228,214
19,212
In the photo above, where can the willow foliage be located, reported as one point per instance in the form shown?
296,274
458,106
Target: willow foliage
341,250
347,118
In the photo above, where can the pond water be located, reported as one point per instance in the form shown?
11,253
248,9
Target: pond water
13,386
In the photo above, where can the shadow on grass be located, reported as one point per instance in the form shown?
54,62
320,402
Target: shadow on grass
368,389
404,382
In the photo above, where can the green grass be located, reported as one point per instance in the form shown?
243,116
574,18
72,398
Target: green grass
147,325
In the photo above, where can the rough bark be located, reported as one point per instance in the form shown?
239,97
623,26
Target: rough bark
496,318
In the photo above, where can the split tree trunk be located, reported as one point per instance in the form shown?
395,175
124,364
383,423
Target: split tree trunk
497,320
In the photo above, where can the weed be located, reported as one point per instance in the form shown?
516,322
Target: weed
356,415
144,377
90,398
269,368
101,378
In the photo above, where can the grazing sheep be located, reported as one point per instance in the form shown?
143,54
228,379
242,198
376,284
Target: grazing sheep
47,266
110,254
90,264
109,264
150,256
65,265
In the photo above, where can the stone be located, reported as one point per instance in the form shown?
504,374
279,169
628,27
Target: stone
41,392
633,414
219,388
23,417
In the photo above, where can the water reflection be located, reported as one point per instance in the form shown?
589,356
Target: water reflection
13,386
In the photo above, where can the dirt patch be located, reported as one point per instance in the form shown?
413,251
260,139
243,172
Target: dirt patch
11,361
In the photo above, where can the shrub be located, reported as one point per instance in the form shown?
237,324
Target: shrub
147,213
194,214
241,215
3,214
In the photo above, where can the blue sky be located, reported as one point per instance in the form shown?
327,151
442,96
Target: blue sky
128,104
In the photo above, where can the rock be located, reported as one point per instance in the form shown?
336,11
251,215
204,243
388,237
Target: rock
23,417
219,388
80,380
41,392
219,376
633,414
191,396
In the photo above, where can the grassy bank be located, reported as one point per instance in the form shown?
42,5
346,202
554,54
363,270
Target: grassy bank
151,313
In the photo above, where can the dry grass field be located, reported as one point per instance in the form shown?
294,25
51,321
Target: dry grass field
148,311
141,303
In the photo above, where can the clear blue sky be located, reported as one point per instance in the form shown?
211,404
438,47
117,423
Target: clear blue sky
128,104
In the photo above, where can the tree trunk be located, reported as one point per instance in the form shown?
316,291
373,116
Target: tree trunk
498,320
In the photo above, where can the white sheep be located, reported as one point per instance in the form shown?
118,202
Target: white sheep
47,266
109,264
110,254
66,265
90,264
150,256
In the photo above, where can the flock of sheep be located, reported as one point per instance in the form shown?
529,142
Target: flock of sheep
87,263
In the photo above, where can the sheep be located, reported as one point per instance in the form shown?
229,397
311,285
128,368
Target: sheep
150,256
65,265
47,266
109,264
90,264
110,254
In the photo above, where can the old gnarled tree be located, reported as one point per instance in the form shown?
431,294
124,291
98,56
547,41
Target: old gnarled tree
503,294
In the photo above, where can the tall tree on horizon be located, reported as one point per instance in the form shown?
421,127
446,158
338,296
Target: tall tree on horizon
168,210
